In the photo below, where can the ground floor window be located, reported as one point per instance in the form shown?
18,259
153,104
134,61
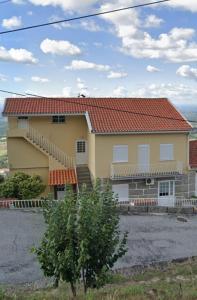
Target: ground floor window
122,190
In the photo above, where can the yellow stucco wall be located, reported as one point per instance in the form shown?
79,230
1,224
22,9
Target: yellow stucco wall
91,154
104,149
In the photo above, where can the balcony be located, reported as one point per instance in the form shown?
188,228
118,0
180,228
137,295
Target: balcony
122,171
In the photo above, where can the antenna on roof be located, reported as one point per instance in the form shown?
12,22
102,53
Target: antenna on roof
81,96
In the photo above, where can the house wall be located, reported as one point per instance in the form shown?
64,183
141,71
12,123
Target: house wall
91,154
104,149
63,135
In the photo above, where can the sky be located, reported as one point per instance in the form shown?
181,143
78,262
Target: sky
144,52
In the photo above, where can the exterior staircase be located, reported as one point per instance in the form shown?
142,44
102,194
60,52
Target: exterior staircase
83,175
48,148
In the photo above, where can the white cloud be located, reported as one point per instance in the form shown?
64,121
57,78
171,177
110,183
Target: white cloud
18,79
190,5
187,71
12,22
17,55
67,91
152,69
120,91
91,26
3,78
177,45
59,47
115,75
153,21
178,93
39,79
66,4
85,65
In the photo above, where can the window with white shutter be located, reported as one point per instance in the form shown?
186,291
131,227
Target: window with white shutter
166,152
120,153
122,191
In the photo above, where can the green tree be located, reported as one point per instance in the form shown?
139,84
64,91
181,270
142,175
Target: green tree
22,186
82,241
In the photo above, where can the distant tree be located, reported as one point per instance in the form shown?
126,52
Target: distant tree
82,241
22,186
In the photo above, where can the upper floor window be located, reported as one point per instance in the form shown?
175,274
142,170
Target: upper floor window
166,151
120,153
23,122
58,119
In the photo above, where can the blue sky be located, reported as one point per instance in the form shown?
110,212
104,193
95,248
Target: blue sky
147,52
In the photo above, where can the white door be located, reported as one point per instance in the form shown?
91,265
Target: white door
81,152
166,193
61,190
143,158
23,123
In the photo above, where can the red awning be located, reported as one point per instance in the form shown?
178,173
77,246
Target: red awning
60,177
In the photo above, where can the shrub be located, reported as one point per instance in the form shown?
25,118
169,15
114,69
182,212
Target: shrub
82,240
22,186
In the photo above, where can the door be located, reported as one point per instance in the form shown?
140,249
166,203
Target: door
60,191
23,122
81,152
166,193
143,158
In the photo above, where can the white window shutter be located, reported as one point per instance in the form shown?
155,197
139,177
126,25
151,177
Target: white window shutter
120,153
166,151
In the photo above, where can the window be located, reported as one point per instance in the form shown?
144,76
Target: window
23,122
166,188
122,190
60,188
81,147
166,151
22,118
120,153
58,119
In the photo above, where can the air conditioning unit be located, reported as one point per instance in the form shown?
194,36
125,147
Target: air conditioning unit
150,181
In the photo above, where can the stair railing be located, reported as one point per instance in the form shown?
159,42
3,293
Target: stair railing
50,148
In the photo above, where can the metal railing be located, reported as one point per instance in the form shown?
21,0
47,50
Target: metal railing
122,171
175,202
51,149
14,203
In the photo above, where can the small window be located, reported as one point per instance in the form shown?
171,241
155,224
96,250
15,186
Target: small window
81,147
166,188
166,151
120,153
60,188
122,191
22,118
58,119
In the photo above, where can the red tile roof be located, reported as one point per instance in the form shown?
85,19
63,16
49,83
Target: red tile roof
193,154
60,177
107,115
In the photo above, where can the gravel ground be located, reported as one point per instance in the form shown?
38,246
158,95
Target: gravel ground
151,239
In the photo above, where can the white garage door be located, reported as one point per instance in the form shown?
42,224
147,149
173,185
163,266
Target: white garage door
122,190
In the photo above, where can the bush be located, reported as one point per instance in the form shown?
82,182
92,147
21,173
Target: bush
22,186
82,240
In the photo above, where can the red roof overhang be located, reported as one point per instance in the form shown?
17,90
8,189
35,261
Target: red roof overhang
61,177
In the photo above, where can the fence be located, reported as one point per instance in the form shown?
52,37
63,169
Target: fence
138,202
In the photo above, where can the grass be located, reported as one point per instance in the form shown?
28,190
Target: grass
177,281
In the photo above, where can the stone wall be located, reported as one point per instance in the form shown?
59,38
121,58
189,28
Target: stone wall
184,186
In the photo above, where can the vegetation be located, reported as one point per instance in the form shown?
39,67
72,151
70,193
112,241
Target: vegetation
21,186
176,281
82,241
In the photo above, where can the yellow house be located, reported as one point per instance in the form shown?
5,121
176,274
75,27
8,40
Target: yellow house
140,145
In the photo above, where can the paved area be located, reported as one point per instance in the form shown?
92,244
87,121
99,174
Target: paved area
151,239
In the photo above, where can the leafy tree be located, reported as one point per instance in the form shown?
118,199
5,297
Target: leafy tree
22,186
82,241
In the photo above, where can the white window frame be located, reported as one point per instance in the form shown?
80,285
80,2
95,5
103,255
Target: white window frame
166,152
169,182
115,154
124,189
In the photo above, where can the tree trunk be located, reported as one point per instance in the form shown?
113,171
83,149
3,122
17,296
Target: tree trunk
56,283
73,288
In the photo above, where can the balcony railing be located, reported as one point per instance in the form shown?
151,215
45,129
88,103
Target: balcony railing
129,171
